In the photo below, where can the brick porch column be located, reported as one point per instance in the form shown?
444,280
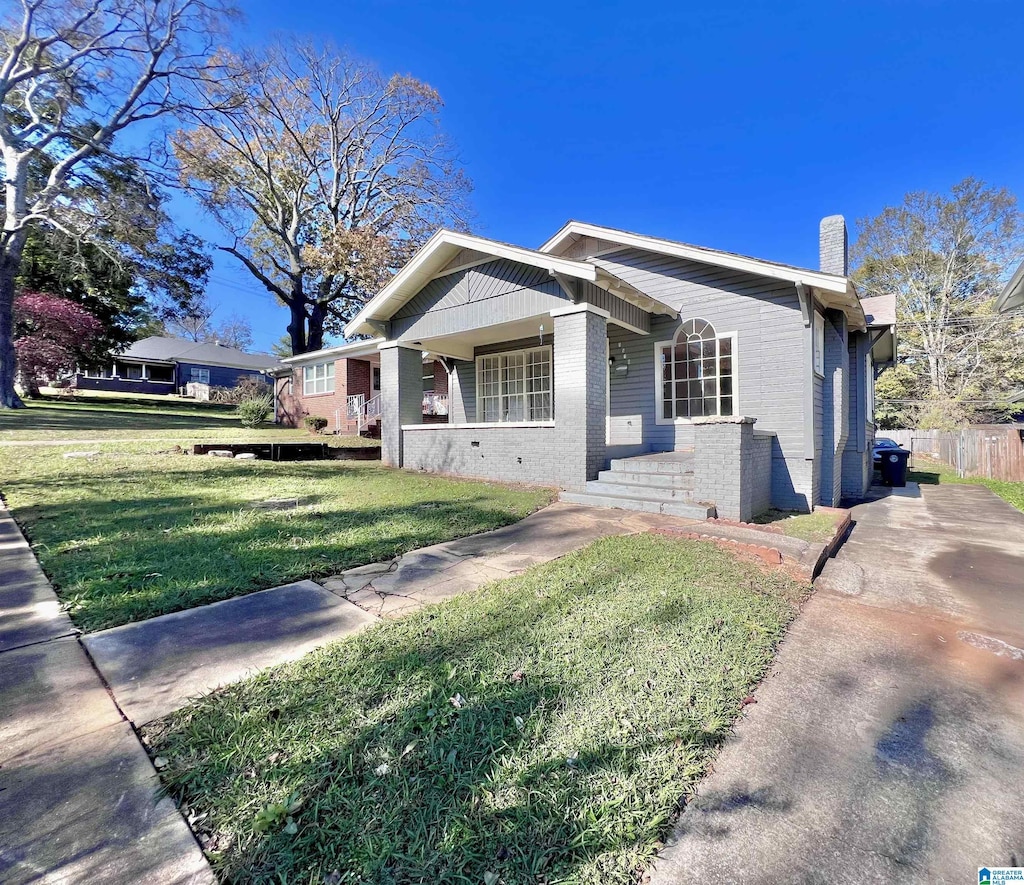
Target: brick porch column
401,397
580,392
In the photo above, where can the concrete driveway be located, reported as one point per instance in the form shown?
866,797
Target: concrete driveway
888,742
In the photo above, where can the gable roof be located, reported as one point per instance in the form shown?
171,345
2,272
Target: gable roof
879,310
435,256
834,291
575,229
160,348
440,254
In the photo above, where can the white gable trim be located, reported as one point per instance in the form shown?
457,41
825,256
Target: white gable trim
823,281
431,259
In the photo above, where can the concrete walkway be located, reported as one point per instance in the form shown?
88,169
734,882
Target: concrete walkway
78,795
156,666
433,574
888,743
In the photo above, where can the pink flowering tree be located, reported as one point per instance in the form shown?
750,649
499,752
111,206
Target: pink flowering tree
51,336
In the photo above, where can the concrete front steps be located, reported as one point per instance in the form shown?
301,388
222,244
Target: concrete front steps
659,483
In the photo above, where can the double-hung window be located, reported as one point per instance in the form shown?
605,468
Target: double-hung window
514,386
198,375
318,379
696,374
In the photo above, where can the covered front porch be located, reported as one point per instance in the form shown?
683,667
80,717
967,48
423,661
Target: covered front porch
527,400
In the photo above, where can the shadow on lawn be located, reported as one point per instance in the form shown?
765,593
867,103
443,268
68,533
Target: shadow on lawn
418,790
79,416
142,555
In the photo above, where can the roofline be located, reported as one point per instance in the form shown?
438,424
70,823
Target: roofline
351,348
824,281
1013,295
393,291
178,360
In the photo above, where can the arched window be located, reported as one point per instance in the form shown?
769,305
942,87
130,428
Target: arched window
696,373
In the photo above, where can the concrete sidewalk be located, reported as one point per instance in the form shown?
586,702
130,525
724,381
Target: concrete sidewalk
78,796
888,742
155,666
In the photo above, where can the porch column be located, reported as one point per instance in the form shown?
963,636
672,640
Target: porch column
401,397
581,392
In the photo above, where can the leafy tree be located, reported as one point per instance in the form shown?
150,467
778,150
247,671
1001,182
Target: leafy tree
132,289
944,257
282,347
75,75
325,174
896,398
52,336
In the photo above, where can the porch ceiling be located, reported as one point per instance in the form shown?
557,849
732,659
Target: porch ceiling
461,346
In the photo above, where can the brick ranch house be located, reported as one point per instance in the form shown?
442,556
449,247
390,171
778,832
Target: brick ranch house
342,385
632,371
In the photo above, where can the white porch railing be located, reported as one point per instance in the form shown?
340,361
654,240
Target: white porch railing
359,409
435,403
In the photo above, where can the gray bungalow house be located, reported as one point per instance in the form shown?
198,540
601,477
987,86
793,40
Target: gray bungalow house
632,371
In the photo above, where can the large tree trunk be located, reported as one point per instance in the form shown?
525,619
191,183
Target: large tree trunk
297,324
315,334
9,261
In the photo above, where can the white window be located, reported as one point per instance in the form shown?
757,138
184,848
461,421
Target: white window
514,386
318,379
819,343
697,373
199,376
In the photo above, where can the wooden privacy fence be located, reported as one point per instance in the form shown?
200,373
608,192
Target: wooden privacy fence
995,451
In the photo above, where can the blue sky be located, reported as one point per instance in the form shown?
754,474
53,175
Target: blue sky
735,125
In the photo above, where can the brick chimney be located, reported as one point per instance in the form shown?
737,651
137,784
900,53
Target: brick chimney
833,245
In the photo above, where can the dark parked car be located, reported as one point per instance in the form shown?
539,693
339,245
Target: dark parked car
881,444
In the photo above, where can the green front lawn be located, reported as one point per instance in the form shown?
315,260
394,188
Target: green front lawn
543,729
931,472
109,417
816,527
129,534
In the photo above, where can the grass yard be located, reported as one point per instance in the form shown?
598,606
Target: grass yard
129,534
543,729
931,472
816,527
110,417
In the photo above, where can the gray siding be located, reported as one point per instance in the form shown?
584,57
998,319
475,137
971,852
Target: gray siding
499,291
835,425
771,345
857,463
616,307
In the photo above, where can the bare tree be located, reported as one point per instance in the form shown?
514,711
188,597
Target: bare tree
74,75
944,257
325,174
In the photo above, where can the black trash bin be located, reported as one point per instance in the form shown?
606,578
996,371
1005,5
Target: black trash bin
894,467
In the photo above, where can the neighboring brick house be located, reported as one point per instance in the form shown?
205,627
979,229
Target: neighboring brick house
341,384
630,371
